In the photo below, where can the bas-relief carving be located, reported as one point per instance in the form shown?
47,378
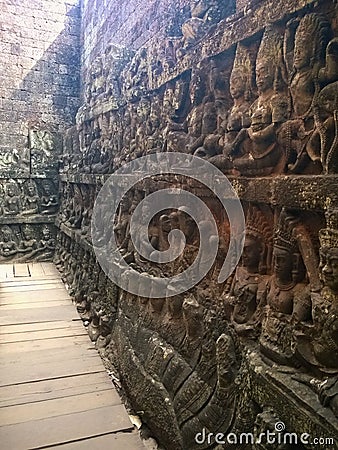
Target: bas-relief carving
204,14
15,163
268,108
45,149
21,198
317,343
21,243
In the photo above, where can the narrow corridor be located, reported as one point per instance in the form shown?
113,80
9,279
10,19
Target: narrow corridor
54,389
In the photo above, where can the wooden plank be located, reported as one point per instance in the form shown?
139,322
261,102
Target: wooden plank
53,303
22,316
37,335
52,325
50,370
24,288
46,356
36,269
50,269
113,441
7,271
48,344
21,270
15,282
23,298
62,429
58,407
49,389
3,271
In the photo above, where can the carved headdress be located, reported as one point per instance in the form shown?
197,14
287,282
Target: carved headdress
259,229
271,47
284,236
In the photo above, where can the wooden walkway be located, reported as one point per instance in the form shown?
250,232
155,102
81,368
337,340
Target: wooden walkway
54,390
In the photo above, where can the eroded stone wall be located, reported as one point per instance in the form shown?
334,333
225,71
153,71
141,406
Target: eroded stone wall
255,95
39,96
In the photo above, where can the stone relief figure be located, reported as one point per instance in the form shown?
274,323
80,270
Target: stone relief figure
46,244
97,82
220,148
317,344
325,109
28,242
12,202
49,198
14,162
204,14
44,148
262,154
287,295
250,280
8,246
2,198
88,195
116,58
199,122
304,51
76,212
31,199
135,76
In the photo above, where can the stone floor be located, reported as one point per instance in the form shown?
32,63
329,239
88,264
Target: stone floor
54,390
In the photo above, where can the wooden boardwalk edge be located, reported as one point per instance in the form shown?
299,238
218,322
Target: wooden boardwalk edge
54,389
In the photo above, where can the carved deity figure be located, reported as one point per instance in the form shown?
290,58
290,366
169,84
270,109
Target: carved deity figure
45,149
12,203
8,246
28,242
317,346
49,200
262,154
221,147
97,84
287,295
305,44
46,244
250,279
199,122
31,199
325,108
204,14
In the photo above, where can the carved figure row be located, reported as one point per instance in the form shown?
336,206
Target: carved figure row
27,242
27,197
273,111
94,294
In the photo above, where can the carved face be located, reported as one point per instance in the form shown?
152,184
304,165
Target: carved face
329,267
264,76
282,263
31,190
10,191
27,233
46,233
237,84
303,49
6,234
251,253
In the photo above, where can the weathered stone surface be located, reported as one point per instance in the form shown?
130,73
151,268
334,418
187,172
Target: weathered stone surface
39,97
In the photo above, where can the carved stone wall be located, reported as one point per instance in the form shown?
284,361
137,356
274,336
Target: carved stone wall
39,66
255,94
